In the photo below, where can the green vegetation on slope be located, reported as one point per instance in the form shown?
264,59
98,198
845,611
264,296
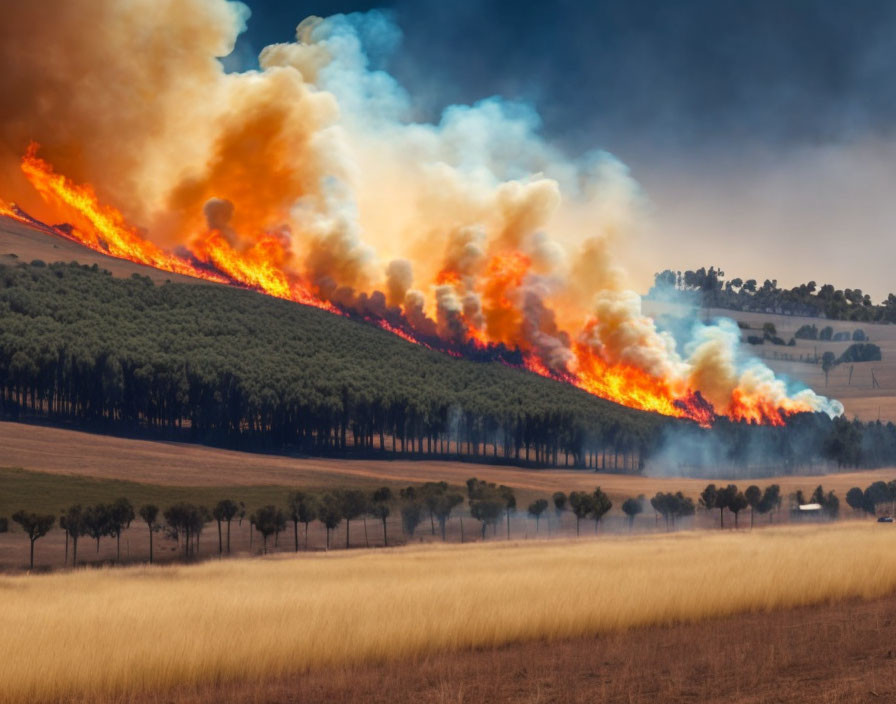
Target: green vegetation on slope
228,366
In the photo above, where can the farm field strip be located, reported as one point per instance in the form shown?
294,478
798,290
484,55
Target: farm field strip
153,629
69,452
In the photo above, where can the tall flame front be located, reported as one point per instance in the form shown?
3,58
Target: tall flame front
211,257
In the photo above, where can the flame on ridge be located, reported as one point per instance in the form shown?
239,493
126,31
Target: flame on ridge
262,267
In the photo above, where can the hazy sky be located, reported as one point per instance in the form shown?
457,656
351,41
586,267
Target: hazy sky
762,132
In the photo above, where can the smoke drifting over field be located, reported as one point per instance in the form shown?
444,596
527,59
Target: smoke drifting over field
309,179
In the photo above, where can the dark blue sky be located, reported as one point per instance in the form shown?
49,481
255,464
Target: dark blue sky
636,77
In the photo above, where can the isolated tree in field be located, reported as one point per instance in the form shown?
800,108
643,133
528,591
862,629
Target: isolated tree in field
487,511
509,499
581,503
600,507
631,508
35,526
736,503
121,513
150,515
411,515
381,508
330,514
855,497
352,505
98,522
268,520
536,508
224,512
443,507
302,509
753,495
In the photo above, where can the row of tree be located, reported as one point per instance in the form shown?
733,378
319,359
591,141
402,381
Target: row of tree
712,291
434,503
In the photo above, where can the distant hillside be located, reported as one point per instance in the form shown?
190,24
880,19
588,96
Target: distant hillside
237,368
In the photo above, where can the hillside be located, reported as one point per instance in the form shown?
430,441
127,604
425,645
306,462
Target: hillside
233,367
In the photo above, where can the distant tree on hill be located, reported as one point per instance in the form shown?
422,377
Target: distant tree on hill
860,352
303,508
35,526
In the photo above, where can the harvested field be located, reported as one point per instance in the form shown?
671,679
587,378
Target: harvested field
152,630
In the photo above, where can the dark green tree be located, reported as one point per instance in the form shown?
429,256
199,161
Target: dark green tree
224,512
536,508
35,526
303,508
150,515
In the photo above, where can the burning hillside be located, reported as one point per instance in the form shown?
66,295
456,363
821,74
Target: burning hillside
308,180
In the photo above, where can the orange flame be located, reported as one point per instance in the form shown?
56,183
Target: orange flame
263,266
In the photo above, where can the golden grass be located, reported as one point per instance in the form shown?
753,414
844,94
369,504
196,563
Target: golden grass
117,633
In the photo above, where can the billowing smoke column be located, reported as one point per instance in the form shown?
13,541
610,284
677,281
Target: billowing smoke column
309,180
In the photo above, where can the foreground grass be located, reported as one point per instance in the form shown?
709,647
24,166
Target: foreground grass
118,633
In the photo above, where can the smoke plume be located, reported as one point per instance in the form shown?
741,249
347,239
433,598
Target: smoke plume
310,179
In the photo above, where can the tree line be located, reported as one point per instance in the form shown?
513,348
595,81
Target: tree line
712,291
418,507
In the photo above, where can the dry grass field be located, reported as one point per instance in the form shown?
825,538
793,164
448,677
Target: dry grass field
833,653
95,634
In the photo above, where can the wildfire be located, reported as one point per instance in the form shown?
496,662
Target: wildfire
264,265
